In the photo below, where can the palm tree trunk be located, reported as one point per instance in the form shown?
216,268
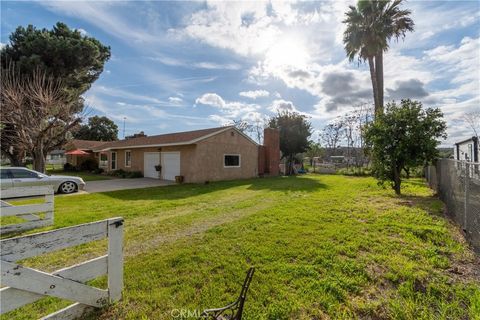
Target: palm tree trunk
379,73
373,76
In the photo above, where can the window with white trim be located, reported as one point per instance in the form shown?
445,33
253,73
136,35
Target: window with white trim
231,160
113,161
128,158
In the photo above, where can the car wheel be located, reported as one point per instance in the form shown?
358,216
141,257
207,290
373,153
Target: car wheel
68,187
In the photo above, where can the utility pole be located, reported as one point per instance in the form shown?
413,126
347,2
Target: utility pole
124,127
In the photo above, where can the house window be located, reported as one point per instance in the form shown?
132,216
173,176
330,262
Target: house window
128,158
114,161
231,161
103,160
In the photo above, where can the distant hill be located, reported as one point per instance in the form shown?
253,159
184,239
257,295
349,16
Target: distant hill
445,152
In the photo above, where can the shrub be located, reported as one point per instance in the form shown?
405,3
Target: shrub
125,174
69,167
89,165
118,173
354,171
98,171
134,174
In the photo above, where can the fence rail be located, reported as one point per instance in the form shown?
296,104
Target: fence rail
30,212
23,285
458,185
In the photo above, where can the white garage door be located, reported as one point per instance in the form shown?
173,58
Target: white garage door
150,160
170,165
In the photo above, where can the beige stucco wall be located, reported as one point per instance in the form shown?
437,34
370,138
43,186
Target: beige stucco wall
203,161
210,156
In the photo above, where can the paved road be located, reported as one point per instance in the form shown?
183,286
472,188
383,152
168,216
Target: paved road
123,184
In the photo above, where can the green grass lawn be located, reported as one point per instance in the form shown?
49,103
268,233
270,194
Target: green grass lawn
325,246
86,176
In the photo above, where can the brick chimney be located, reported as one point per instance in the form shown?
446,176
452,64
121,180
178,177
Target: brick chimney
271,146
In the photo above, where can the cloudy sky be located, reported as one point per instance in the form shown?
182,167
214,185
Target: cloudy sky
190,65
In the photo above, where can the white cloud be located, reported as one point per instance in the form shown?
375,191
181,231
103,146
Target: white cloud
175,62
281,106
122,93
104,15
221,120
175,100
211,99
442,16
254,94
215,66
461,63
231,110
253,28
83,32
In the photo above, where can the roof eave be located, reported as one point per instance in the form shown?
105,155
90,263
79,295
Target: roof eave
466,140
194,141
146,146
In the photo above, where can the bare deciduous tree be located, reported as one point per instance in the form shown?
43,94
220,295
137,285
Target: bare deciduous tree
37,113
332,135
254,129
472,119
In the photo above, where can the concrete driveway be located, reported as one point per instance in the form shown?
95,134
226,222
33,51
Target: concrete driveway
123,184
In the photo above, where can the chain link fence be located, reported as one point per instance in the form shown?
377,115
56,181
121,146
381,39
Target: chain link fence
458,186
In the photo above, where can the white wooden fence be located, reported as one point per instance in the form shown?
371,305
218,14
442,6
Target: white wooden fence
25,285
27,212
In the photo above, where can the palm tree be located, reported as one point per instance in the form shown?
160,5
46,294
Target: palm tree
370,27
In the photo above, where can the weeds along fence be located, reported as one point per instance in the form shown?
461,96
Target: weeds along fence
22,285
29,213
458,185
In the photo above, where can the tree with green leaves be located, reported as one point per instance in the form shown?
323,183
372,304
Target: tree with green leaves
62,53
315,150
64,63
371,24
98,129
295,130
405,136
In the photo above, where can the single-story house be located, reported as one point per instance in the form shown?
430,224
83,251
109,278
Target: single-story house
468,150
223,153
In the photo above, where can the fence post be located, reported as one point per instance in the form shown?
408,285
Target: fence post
115,259
49,198
467,195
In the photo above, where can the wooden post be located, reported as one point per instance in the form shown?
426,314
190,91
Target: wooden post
115,258
49,199
467,196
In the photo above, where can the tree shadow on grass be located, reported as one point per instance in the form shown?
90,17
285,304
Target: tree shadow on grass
429,203
288,184
176,192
